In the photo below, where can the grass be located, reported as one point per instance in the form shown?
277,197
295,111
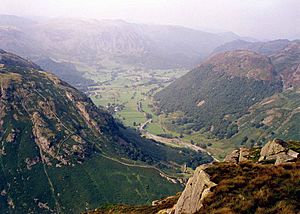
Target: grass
129,88
245,188
253,188
110,182
155,128
165,203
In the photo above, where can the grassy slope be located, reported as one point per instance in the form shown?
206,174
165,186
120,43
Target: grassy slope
96,182
253,188
281,109
100,181
224,99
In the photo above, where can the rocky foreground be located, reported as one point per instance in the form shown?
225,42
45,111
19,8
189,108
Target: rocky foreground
257,180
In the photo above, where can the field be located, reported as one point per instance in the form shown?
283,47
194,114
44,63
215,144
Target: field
130,88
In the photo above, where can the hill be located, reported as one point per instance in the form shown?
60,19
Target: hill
218,92
265,48
283,53
286,62
55,143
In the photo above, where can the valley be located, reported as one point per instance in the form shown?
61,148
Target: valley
52,149
128,94
109,116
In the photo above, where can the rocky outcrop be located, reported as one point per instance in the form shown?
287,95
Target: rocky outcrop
82,107
278,151
244,154
195,195
233,157
238,156
196,189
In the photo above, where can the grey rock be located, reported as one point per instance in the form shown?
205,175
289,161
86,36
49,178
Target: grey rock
196,190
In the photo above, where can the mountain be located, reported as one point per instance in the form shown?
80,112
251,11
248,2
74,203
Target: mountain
94,42
60,153
287,64
16,21
285,56
222,89
15,39
251,185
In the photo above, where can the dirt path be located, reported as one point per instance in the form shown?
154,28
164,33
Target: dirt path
143,126
176,142
162,174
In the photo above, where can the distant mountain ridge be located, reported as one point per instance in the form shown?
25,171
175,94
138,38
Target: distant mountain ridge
153,46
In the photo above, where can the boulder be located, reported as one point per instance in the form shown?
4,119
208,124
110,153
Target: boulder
278,151
244,155
195,191
233,157
238,155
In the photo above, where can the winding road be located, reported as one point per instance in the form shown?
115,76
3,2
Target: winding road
172,141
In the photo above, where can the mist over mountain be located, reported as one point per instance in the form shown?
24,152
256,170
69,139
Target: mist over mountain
86,40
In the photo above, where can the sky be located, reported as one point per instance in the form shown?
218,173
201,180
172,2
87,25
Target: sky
262,19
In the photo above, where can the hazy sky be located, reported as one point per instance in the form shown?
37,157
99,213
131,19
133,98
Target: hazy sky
257,18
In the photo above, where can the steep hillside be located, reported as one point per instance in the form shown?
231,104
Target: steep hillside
239,185
66,72
287,64
96,42
275,116
220,90
55,144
